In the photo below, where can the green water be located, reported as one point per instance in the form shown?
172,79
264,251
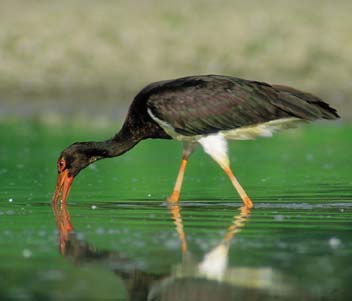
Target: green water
128,244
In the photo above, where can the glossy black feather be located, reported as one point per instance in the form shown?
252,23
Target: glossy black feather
207,104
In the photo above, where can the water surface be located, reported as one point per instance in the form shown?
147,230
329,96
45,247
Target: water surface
119,240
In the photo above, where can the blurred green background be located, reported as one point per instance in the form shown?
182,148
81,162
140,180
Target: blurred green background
86,59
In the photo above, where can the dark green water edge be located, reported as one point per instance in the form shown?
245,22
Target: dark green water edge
127,244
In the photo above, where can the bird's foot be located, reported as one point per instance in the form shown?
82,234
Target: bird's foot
174,197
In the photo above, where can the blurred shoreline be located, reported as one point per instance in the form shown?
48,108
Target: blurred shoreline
88,59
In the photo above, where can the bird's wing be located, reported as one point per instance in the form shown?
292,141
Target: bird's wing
302,104
208,104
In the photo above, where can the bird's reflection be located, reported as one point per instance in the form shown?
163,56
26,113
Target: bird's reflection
215,261
209,279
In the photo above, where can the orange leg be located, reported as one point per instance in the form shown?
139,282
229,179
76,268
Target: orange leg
245,198
188,149
175,196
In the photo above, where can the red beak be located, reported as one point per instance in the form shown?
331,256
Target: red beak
63,186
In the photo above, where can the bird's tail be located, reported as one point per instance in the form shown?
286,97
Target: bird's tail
304,105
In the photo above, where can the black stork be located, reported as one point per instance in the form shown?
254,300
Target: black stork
205,110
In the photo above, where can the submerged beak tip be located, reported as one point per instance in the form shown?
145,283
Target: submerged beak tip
63,186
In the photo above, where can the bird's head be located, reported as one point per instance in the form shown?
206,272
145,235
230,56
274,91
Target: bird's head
71,161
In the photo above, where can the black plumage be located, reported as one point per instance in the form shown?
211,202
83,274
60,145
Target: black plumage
196,106
200,105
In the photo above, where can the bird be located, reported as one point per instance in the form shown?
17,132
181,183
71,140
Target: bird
200,110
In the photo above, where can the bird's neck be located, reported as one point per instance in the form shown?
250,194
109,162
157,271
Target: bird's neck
119,144
113,147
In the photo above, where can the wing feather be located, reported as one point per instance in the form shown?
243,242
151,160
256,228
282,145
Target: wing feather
209,104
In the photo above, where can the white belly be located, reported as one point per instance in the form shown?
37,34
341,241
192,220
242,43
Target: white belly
265,129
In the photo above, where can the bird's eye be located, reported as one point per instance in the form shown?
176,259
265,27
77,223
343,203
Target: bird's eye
61,164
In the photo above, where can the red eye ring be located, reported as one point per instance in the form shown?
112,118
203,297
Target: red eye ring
61,164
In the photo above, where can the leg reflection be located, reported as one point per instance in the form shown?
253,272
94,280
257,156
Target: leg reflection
215,261
176,216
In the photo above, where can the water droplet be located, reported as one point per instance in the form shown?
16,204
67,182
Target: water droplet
27,253
334,242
